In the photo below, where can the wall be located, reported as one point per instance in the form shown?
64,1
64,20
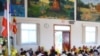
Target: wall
46,38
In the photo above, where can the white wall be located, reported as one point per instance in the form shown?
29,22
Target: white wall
46,38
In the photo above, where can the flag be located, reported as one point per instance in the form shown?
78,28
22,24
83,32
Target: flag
13,24
14,27
4,31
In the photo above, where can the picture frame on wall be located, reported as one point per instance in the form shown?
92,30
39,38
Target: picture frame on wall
88,10
17,7
51,9
2,7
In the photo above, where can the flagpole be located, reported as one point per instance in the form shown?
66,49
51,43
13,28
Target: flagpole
8,2
14,39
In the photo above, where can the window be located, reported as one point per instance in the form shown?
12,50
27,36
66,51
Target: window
63,28
28,33
90,34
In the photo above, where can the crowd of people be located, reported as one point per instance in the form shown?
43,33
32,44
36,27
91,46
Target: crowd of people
80,51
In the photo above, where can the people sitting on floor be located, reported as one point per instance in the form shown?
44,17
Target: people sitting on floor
30,52
81,51
53,52
63,53
38,50
22,52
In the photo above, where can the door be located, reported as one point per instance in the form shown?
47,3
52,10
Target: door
66,40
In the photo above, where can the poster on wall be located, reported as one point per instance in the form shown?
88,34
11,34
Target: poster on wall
2,7
16,7
51,9
88,10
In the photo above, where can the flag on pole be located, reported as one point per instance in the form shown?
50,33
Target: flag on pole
4,31
14,27
14,22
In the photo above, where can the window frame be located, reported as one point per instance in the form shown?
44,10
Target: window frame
37,35
84,35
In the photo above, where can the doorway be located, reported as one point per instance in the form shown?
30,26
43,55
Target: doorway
62,37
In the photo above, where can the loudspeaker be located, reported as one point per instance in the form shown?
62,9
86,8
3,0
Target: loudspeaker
71,22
